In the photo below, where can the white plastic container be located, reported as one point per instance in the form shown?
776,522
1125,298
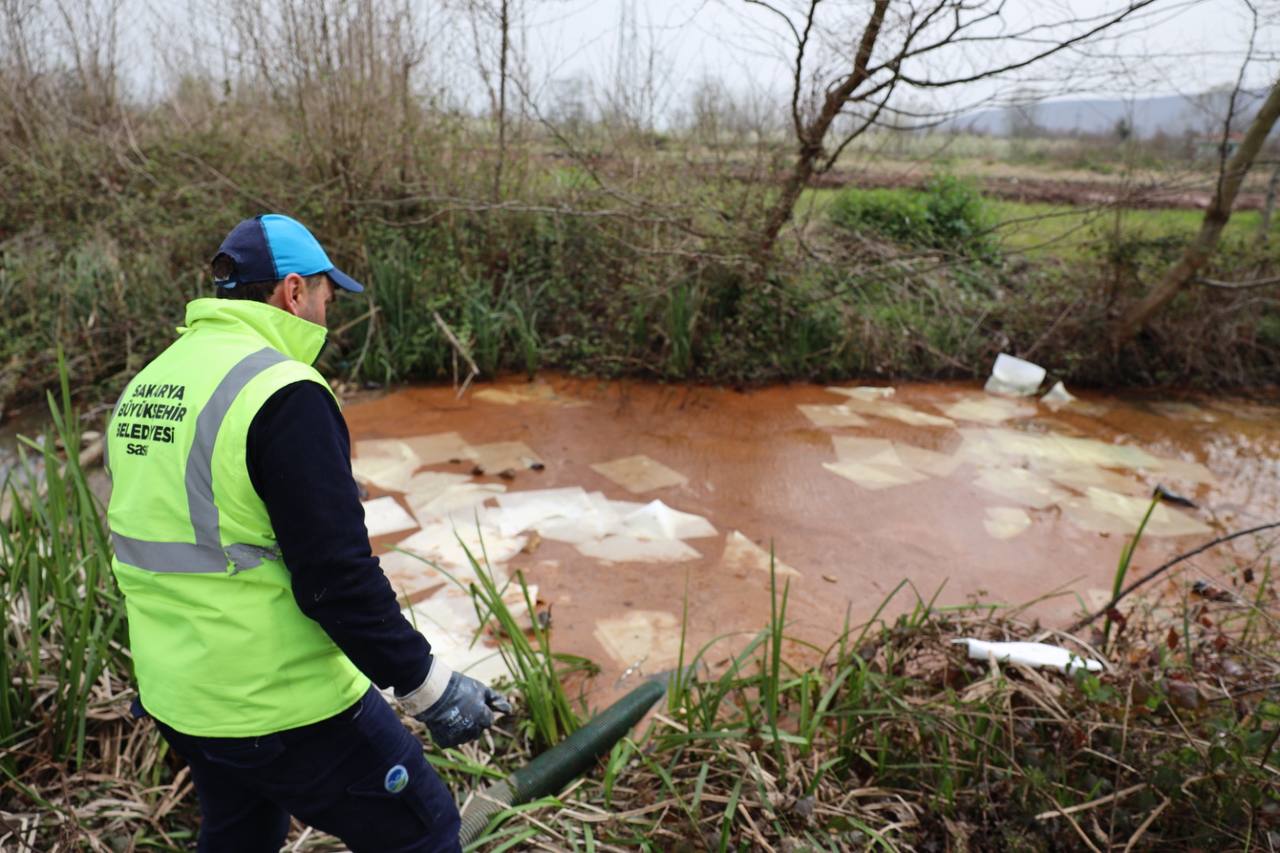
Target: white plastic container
1029,654
1014,377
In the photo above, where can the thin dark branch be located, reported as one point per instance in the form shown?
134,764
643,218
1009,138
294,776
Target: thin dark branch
802,45
1156,572
856,132
1031,60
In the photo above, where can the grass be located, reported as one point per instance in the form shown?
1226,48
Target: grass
63,628
892,740
1044,231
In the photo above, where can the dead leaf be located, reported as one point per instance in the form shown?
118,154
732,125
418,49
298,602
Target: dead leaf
1184,695
1172,640
1204,589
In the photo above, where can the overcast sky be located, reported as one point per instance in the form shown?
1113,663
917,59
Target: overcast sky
1174,47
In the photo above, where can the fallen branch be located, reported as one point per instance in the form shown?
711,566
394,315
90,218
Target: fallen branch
458,350
1101,801
1238,285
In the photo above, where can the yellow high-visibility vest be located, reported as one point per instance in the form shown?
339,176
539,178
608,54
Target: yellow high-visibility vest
220,647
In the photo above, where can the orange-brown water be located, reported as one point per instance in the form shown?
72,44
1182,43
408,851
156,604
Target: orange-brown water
754,464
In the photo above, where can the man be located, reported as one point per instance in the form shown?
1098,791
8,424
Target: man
257,613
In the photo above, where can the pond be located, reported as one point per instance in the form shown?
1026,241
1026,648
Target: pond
625,503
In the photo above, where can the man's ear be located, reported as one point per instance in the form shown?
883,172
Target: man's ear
288,293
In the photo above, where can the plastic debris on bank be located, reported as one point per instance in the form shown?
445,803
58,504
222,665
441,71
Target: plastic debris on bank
1029,654
1014,377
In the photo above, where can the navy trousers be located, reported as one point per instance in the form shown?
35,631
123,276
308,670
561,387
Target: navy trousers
359,775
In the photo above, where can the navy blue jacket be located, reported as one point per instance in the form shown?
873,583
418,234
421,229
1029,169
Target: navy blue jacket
299,459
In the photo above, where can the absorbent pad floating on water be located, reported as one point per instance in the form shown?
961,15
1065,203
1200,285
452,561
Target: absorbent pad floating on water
459,501
448,544
385,515
390,473
991,410
927,461
829,417
386,448
533,392
503,455
742,555
601,518
521,511
879,406
425,486
883,453
864,392
1021,486
450,623
875,476
1005,522
440,447
623,548
648,636
852,448
1102,511
656,520
638,474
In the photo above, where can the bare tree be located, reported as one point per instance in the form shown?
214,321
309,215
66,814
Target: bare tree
1269,205
343,73
1216,216
484,17
926,46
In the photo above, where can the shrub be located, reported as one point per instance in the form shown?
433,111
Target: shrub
948,214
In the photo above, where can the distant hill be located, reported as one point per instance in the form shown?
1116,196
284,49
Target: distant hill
1173,115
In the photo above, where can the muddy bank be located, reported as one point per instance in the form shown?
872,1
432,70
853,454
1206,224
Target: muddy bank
938,485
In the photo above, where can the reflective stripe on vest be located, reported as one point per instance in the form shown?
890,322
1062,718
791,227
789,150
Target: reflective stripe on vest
206,555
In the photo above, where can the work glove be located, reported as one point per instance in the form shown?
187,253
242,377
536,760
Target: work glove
455,708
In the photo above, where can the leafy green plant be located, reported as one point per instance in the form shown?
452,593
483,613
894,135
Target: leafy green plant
948,214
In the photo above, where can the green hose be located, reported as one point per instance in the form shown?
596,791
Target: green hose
552,770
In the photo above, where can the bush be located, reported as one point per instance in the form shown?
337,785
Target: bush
949,214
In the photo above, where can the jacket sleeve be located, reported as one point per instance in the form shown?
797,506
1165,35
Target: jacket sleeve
299,460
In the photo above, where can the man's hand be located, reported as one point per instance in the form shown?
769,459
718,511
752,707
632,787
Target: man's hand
457,709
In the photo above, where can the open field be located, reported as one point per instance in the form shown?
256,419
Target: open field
1062,231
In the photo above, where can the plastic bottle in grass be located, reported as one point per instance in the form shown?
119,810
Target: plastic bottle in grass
1029,654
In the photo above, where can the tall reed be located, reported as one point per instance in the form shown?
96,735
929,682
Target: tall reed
64,621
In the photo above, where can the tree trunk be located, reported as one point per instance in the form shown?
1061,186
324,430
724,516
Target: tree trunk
811,135
505,24
1215,218
1269,206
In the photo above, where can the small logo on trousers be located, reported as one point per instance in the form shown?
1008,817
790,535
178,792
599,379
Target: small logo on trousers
397,777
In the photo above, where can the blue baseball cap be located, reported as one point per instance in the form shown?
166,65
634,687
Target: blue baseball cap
269,247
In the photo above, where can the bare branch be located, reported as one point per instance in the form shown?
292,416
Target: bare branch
1238,285
1054,48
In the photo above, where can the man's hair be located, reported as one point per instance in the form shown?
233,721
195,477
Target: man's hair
257,291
